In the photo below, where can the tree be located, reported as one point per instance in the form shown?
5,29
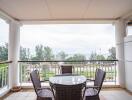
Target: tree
112,55
39,52
93,56
24,53
4,52
43,53
100,57
79,57
48,55
62,55
76,57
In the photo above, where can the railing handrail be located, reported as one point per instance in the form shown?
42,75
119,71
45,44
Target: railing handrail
5,62
64,60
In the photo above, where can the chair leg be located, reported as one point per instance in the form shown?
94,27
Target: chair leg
40,98
92,97
37,98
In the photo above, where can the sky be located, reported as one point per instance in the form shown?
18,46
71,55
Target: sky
129,30
70,38
4,30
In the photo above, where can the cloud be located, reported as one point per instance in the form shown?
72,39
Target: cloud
70,38
4,32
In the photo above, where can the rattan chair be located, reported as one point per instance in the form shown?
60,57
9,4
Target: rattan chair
92,92
42,93
68,92
66,69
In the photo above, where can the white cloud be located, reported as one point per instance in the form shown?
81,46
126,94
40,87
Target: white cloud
71,38
4,32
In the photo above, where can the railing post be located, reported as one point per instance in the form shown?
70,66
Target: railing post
13,53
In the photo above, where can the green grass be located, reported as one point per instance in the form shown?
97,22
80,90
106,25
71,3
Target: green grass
3,65
3,75
47,74
88,74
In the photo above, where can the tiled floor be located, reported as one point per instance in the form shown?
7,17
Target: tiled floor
116,94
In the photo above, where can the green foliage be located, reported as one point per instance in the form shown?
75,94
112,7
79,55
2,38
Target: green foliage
61,56
24,53
100,57
39,52
4,52
112,55
3,75
48,55
45,53
95,56
3,65
76,57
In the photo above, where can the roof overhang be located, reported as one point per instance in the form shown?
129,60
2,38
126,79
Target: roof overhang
66,11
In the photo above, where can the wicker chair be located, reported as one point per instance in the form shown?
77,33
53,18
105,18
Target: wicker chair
42,93
92,92
66,69
68,92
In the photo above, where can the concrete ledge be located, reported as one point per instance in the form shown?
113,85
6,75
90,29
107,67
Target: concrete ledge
4,91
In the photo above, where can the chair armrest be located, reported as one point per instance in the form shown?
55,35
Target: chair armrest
90,80
44,80
39,89
43,88
92,87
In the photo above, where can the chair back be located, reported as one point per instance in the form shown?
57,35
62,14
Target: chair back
68,92
66,69
35,80
99,78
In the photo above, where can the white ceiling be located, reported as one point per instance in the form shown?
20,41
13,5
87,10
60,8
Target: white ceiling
65,9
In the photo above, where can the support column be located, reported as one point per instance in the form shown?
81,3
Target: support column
13,53
120,33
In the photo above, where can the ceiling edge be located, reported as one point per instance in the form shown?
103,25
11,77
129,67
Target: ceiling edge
70,21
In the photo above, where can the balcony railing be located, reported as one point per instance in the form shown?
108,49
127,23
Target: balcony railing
4,74
85,67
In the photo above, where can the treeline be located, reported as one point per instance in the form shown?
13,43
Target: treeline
46,53
4,52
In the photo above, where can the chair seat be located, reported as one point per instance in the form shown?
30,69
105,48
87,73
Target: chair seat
91,92
45,93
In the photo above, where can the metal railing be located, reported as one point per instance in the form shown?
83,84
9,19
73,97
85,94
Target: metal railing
4,73
85,67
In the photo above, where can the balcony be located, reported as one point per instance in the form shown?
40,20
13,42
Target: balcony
17,13
51,68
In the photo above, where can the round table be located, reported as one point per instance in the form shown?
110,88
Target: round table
68,87
68,80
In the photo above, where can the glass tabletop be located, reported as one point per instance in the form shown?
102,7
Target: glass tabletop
68,80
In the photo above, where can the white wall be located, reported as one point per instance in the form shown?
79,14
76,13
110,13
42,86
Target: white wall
128,61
